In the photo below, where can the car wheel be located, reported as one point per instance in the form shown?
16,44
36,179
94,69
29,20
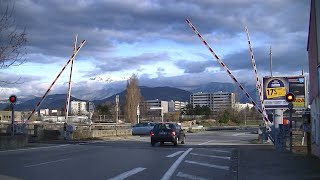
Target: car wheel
175,142
161,142
183,140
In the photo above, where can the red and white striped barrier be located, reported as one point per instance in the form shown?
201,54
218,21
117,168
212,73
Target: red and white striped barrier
70,77
258,82
45,95
227,70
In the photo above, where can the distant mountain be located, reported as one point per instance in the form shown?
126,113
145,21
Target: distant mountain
56,101
228,87
150,93
107,92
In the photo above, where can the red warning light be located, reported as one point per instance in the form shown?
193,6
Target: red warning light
13,99
290,97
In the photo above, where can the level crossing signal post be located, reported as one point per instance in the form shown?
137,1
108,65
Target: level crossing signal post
290,98
12,100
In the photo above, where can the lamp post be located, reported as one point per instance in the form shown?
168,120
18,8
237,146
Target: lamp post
138,113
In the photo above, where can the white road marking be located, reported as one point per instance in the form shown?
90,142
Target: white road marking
238,134
208,165
175,154
175,165
128,174
25,149
206,142
189,176
205,155
217,150
44,163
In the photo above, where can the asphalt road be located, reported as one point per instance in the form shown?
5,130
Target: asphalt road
206,155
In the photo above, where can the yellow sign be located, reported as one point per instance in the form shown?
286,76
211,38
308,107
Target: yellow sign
298,102
275,92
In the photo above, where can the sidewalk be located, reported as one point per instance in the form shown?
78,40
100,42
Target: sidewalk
263,162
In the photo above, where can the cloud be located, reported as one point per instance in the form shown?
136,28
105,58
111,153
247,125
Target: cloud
51,25
194,66
109,25
126,63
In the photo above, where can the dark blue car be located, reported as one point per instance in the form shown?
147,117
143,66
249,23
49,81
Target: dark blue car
167,132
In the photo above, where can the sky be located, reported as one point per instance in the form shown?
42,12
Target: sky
151,39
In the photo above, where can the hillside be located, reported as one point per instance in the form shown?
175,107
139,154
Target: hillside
150,93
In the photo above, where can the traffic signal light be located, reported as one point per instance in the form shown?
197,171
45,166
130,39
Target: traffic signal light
290,97
13,98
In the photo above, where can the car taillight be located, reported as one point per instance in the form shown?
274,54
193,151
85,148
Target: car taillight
173,133
151,133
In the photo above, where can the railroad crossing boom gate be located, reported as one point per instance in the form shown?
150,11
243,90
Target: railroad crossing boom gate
75,52
224,66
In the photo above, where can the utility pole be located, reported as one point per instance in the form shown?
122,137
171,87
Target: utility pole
12,100
270,61
117,108
290,106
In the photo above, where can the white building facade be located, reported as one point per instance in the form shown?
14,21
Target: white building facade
215,101
174,106
223,100
79,108
238,106
202,99
158,103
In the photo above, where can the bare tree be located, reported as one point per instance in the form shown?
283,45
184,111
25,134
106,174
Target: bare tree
132,100
12,40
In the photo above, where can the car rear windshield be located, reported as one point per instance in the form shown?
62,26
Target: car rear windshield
164,126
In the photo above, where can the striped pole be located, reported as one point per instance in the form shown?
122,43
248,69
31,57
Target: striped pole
45,95
69,85
223,65
258,84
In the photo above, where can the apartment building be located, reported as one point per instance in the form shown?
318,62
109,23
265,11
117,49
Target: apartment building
176,105
45,112
157,103
202,99
223,100
239,106
79,108
6,116
215,101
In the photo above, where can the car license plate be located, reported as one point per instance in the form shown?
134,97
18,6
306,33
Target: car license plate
162,133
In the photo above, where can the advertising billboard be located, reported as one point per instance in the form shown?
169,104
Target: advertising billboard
275,89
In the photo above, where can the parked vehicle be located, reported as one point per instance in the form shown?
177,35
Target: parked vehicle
167,132
143,128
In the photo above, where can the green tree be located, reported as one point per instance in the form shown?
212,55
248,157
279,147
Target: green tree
103,109
198,110
236,116
133,97
223,116
206,111
189,110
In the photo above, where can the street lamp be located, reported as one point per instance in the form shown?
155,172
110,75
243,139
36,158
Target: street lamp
161,108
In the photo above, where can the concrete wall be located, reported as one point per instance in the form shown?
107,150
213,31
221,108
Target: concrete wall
84,134
13,142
